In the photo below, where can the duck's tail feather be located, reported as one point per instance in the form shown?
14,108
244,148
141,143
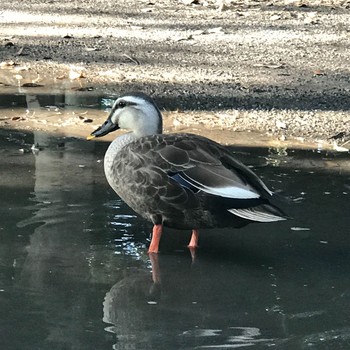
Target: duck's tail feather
260,213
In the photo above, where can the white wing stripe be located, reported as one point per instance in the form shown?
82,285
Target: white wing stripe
231,192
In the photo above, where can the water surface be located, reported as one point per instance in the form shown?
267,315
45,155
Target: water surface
75,273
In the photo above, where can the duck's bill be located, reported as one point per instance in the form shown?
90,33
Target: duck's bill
103,130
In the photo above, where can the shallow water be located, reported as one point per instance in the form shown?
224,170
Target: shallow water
74,272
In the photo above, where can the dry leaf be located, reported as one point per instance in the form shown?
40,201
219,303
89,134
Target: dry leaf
31,85
190,2
270,65
89,49
83,88
215,30
17,118
311,21
311,18
281,125
7,64
137,27
339,148
319,72
275,17
76,75
22,68
275,66
183,38
198,32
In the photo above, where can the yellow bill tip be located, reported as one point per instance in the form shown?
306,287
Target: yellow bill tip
90,137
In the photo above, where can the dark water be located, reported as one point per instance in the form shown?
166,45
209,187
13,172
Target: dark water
74,272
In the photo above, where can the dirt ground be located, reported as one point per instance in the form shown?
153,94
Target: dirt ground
278,68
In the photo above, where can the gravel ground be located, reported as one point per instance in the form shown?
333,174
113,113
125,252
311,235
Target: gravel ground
278,67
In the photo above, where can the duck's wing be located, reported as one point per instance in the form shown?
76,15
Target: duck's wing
199,163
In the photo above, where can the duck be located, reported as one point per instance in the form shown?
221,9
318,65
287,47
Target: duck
179,180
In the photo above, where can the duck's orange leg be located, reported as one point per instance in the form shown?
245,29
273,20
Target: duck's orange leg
193,245
194,239
155,268
156,234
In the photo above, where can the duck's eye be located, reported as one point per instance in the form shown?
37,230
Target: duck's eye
121,104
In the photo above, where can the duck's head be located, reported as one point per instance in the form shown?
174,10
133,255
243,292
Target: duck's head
136,112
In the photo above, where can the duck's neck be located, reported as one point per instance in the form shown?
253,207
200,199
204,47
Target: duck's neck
113,150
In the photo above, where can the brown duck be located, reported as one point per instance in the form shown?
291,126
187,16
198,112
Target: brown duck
183,181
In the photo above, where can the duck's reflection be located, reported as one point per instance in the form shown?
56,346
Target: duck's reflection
167,309
129,307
